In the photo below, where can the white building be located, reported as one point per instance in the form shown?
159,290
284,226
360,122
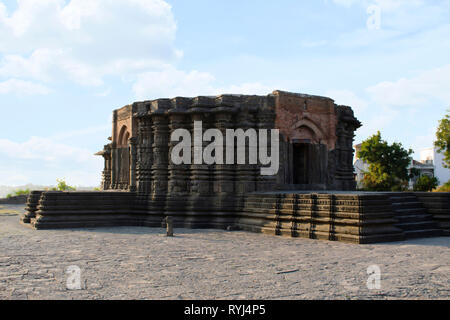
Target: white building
431,156
359,167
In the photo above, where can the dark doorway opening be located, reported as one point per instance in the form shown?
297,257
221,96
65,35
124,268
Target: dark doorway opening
309,163
301,163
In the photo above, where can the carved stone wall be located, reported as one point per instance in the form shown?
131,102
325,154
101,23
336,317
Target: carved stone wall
143,185
327,131
348,217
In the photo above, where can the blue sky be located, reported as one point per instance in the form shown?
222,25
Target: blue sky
65,65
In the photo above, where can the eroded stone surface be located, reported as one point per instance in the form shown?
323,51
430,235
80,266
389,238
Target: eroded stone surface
142,263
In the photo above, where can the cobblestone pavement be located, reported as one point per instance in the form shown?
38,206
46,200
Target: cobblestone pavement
141,263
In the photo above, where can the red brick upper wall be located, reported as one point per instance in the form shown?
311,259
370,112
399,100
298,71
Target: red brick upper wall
123,118
304,117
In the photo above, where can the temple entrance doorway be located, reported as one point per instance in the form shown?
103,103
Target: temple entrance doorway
309,163
301,163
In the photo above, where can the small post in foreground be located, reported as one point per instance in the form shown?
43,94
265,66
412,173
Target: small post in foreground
169,226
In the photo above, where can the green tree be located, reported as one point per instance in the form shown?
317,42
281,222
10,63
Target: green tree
443,139
19,192
63,186
388,164
426,183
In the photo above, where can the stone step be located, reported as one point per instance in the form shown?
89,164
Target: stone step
403,198
409,211
414,218
404,205
428,233
413,226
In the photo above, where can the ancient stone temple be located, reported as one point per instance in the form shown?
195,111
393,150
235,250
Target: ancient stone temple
310,192
316,150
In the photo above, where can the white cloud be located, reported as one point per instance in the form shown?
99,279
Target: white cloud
249,88
382,109
373,116
172,82
83,132
420,90
402,22
103,93
20,176
394,5
37,66
387,5
85,40
346,3
47,159
426,140
44,149
12,177
21,87
348,98
380,119
314,44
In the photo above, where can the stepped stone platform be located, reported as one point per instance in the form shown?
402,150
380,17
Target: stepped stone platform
413,218
14,200
438,205
356,217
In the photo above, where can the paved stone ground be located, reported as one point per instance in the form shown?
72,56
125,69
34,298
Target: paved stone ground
141,263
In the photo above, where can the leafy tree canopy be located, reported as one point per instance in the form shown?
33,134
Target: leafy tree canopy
19,192
443,139
388,164
426,183
63,186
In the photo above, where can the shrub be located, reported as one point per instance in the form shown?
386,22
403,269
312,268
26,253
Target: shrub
62,186
426,183
19,192
443,188
22,192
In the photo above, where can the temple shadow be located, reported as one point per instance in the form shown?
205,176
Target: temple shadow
137,230
434,241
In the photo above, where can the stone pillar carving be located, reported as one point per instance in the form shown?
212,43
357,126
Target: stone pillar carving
106,174
114,167
265,121
339,156
201,208
223,173
160,154
200,180
144,156
245,173
178,173
133,160
224,202
347,124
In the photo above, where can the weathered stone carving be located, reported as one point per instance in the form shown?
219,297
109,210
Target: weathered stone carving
142,186
312,127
